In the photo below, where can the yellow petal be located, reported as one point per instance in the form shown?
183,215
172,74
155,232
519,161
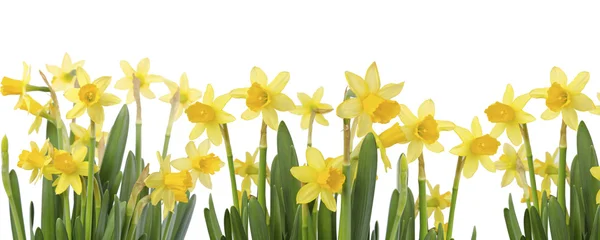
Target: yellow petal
279,83
570,117
318,95
558,76
82,77
220,101
598,197
539,93
209,95
153,78
308,193
304,122
372,78
357,84
305,100
577,85
203,148
595,171
350,108
282,102
314,158
508,177
471,165
476,127
194,95
463,134
77,111
257,75
523,117
426,108
181,164
191,150
520,101
214,134
487,163
79,154
435,147
239,93
102,83
61,183
147,93
143,66
390,90
223,117
205,180
197,131
321,120
415,148
109,99
75,182
304,174
582,102
509,94
96,113
445,125
156,195
72,95
270,117
514,134
249,114
365,125
462,149
498,129
327,198
549,114
406,116
127,69
124,84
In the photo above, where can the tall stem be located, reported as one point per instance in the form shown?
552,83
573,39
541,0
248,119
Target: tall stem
531,170
310,129
345,231
403,190
168,223
138,124
305,221
422,199
67,213
459,166
562,166
90,182
225,133
262,167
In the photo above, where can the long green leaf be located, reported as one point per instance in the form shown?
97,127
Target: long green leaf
537,229
595,232
296,229
39,235
258,226
286,157
586,157
61,231
576,221
363,189
474,235
375,232
326,223
186,218
115,147
558,224
527,225
392,215
31,218
236,222
440,232
129,177
407,229
14,184
101,224
512,224
50,201
227,225
78,232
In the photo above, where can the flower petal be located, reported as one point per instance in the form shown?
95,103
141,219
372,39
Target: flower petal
204,147
445,125
147,93
415,149
520,101
487,163
249,114
214,134
318,95
595,171
570,117
390,90
182,164
509,94
82,77
209,95
308,193
471,165
304,174
321,120
498,129
75,182
304,122
72,95
365,125
508,177
143,66
463,134
426,108
582,102
539,93
282,102
579,82
205,180
197,131
514,134
476,127
239,93
270,117
155,180
406,116
558,76
350,108
314,158
77,111
305,100
220,101
96,113
61,184
191,150
435,147
523,117
194,95
257,75
357,84
223,117
327,198
127,69
549,114
372,78
279,83
109,99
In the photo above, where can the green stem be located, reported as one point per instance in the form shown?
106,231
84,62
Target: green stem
403,190
262,167
138,147
166,146
459,166
168,223
66,213
422,199
90,182
225,133
32,88
562,166
345,231
305,221
531,169
310,129
7,187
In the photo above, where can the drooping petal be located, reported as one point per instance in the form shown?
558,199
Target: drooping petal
435,147
96,113
487,163
214,134
305,174
205,180
75,182
308,193
471,165
279,83
270,118
249,114
406,116
582,102
390,90
147,93
282,102
372,78
304,122
321,120
498,129
109,99
415,148
62,183
426,108
558,76
514,134
182,164
357,84
350,108
77,111
314,158
508,177
365,125
549,114
570,117
577,85
327,198
509,94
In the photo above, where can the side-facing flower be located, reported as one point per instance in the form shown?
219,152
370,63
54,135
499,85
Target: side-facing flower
423,130
90,97
36,109
187,95
312,105
509,114
141,73
389,137
17,87
35,160
476,148
595,171
527,195
168,186
548,170
63,76
508,163
265,98
565,99
69,167
199,163
83,136
248,170
373,103
209,115
436,202
321,178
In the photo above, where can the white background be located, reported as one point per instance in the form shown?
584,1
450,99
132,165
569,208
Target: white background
460,54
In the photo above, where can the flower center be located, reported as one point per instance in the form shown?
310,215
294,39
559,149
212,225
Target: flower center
178,183
331,179
551,169
558,97
500,113
63,161
392,135
380,110
484,145
88,94
11,86
142,79
427,130
200,113
67,77
183,97
208,164
258,97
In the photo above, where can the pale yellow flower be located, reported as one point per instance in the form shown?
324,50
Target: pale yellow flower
187,95
37,110
436,202
90,97
35,160
509,114
312,105
83,136
70,167
248,170
63,76
508,163
17,87
168,186
141,73
476,148
200,163
209,115
548,170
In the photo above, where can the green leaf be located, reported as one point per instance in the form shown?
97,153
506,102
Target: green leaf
31,218
61,231
78,232
440,232
244,212
115,147
182,226
212,219
576,222
227,224
39,235
277,220
297,228
392,215
48,206
236,223
431,235
364,188
595,232
14,185
286,159
586,157
527,224
375,232
545,213
558,224
537,229
407,229
326,223
101,224
258,226
474,235
119,218
129,177
512,224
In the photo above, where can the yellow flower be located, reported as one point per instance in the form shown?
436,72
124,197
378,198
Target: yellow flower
509,114
548,170
63,76
187,95
17,87
209,115
90,96
596,110
372,103
265,98
248,170
527,195
476,148
596,173
563,98
83,136
321,177
126,83
436,202
168,186
391,136
36,160
70,167
423,130
508,163
37,110
199,163
310,106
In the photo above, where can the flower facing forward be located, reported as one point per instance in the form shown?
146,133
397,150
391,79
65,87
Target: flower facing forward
187,95
35,160
509,163
141,73
199,163
321,178
265,99
168,186
565,99
476,148
208,115
509,114
373,103
248,170
312,105
64,76
423,130
90,97
595,171
436,202
17,87
69,167
548,170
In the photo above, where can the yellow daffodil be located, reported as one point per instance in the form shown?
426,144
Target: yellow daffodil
17,87
423,129
595,171
436,202
373,103
37,110
63,76
209,115
83,136
527,195
69,167
563,98
548,170
35,160
321,177
199,163
168,186
248,170
596,110
265,98
187,95
476,148
310,106
90,97
508,163
509,114
141,73
391,136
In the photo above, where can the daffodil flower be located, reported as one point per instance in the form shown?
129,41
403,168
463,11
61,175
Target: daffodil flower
187,95
565,99
83,136
248,170
63,76
527,195
265,98
69,167
168,186
596,110
509,114
209,115
90,97
36,109
199,163
17,87
141,73
595,171
436,202
476,148
389,137
373,103
508,163
312,105
548,170
423,130
35,160
321,177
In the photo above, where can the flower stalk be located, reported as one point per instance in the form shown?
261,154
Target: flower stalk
90,182
305,221
172,114
345,231
66,213
32,88
311,122
226,139
138,124
262,167
422,199
459,166
527,142
562,167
